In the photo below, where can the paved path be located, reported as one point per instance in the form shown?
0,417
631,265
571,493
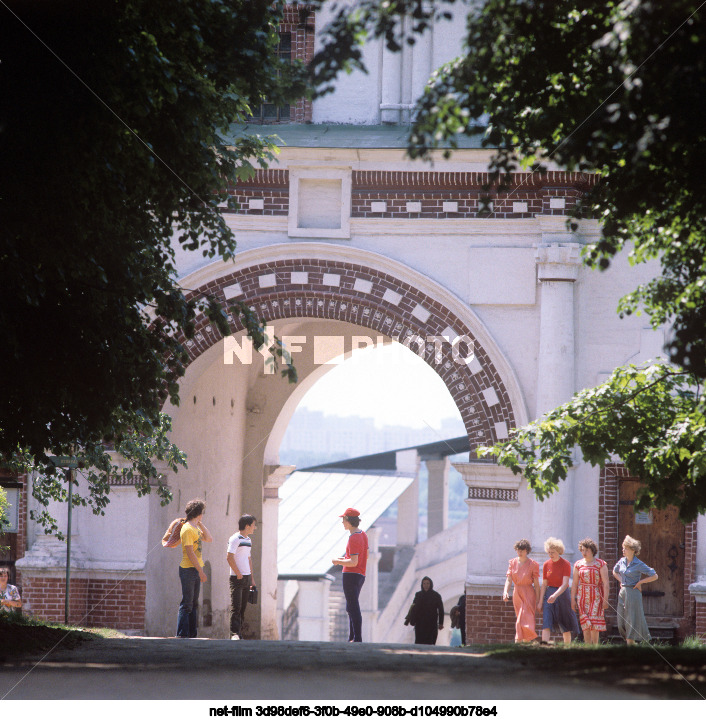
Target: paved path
159,668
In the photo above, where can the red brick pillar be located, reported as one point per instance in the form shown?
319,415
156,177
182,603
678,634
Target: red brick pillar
489,619
108,602
493,504
698,591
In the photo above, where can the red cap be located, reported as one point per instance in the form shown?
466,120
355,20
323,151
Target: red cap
350,512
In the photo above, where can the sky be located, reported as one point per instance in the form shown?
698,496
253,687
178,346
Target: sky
390,383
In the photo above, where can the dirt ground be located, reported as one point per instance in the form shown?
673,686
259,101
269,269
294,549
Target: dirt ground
50,663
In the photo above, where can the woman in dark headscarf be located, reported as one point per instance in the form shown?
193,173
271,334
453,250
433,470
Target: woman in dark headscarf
426,614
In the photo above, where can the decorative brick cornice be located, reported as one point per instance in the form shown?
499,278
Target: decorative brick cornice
265,179
396,180
437,195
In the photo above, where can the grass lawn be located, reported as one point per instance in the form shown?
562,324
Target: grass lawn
663,671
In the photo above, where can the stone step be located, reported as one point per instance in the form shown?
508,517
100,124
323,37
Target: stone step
662,633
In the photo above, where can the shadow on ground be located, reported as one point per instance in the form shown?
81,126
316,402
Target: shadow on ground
60,664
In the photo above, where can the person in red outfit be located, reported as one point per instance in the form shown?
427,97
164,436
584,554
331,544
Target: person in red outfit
353,562
554,597
590,590
523,572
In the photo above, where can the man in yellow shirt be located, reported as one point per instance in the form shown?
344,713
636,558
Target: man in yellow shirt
191,574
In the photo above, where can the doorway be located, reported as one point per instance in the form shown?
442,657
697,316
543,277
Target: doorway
662,536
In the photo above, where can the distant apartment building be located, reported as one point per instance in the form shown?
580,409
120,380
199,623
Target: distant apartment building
344,437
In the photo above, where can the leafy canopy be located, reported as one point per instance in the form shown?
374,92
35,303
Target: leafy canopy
615,88
110,133
651,418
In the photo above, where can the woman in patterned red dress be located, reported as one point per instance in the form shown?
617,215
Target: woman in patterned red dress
590,590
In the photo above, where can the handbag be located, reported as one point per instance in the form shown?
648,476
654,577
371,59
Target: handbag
172,536
252,595
410,617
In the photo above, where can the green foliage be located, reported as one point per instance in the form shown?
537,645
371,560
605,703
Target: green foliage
133,460
616,88
110,134
4,508
4,520
652,418
608,87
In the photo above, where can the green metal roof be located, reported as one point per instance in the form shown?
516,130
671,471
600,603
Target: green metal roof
339,136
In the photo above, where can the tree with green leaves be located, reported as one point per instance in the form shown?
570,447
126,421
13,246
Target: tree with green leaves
607,87
111,128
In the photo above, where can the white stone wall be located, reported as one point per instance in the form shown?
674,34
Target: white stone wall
394,81
212,437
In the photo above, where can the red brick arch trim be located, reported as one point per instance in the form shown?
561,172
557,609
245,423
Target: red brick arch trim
373,299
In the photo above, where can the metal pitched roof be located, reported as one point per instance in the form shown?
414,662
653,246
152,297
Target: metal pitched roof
308,135
387,460
310,530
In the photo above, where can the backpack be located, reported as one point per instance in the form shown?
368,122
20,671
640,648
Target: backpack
172,536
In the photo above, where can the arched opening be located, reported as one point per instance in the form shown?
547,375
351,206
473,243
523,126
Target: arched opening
234,413
380,402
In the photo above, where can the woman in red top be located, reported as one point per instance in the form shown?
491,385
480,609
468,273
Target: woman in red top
353,563
554,594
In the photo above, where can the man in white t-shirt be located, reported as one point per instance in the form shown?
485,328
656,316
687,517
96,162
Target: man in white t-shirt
241,575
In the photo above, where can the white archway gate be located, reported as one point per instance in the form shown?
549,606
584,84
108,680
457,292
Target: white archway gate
305,285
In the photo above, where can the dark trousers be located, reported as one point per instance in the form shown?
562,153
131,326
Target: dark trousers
352,583
187,620
239,589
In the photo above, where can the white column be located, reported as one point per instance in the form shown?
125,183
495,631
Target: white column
369,592
408,502
495,518
391,79
313,609
407,58
557,269
273,478
438,495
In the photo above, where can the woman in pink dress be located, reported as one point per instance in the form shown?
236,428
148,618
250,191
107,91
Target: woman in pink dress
524,573
590,591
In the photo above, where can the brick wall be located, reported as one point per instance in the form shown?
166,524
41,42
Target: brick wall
467,190
118,604
269,186
92,602
431,190
700,620
302,28
489,619
688,624
16,543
